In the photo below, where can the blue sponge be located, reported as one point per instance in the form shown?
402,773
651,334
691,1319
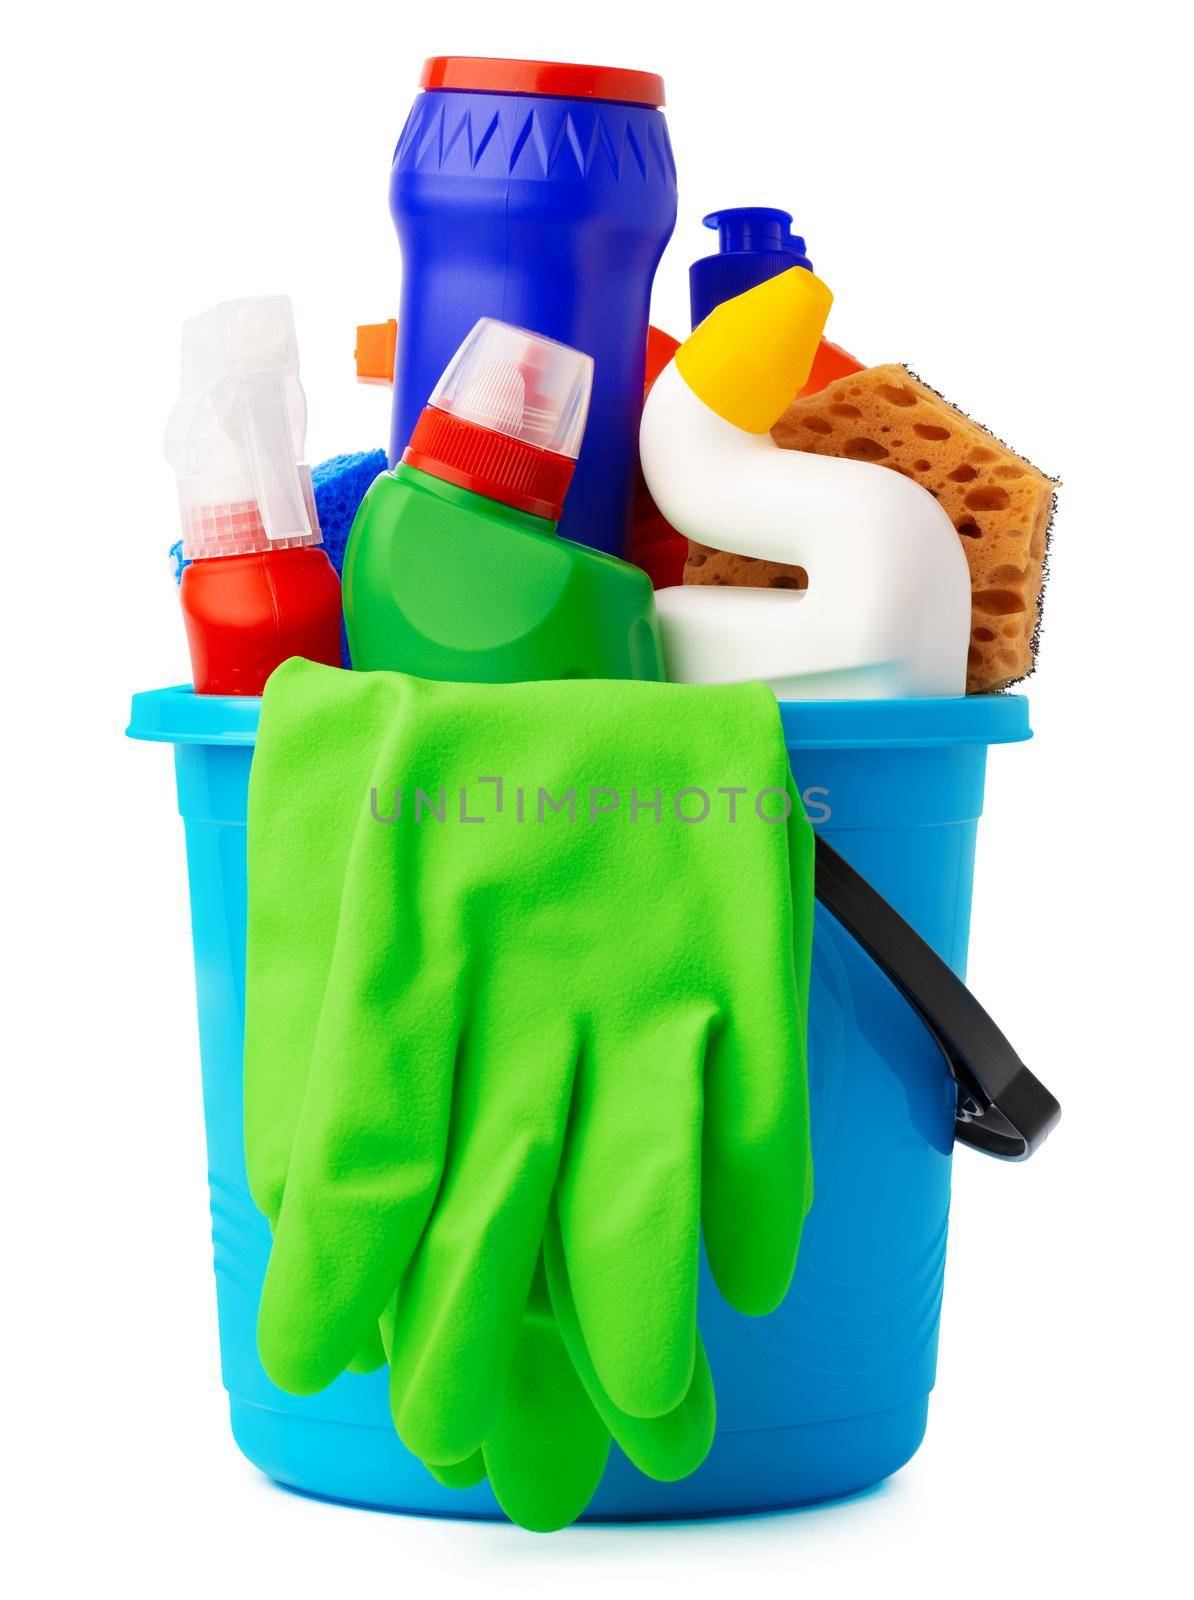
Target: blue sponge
339,485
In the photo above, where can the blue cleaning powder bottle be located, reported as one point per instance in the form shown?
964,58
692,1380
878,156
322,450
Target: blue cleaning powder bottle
541,194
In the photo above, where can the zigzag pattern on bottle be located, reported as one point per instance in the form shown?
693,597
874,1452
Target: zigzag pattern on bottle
626,142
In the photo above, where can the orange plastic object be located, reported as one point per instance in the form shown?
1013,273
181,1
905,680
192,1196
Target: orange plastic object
830,363
376,344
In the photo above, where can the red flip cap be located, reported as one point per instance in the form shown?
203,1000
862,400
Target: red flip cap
507,418
565,80
490,463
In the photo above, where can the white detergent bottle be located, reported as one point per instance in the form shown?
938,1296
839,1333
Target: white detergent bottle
887,608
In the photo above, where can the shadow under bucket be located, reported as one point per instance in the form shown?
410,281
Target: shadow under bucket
829,1394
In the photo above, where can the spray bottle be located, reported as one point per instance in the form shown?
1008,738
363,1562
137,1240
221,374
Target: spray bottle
259,588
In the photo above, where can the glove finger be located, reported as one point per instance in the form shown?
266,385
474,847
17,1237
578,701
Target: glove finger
370,1354
757,1156
386,1323
365,1167
629,1206
666,1448
459,1474
547,1449
453,1474
460,1306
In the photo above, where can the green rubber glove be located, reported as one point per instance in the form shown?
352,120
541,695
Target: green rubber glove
290,953
666,1447
548,1447
488,1029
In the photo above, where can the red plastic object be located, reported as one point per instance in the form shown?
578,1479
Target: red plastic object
830,363
490,463
247,614
655,546
566,80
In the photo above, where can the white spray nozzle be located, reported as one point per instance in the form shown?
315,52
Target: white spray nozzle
237,435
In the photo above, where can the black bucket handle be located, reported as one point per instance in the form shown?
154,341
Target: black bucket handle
1003,1110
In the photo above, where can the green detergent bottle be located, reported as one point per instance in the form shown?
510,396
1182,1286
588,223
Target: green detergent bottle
454,569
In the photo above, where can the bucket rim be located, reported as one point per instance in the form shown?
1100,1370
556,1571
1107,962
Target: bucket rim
905,724
177,715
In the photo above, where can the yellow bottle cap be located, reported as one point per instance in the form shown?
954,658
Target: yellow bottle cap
752,355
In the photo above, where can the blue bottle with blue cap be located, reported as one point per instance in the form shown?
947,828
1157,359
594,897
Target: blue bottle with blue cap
755,243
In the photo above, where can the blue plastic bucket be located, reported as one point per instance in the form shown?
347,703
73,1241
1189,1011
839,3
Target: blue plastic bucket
830,1394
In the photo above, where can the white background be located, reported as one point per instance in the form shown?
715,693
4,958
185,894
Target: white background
998,196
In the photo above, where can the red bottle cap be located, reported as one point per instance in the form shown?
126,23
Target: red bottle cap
490,463
565,80
507,418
